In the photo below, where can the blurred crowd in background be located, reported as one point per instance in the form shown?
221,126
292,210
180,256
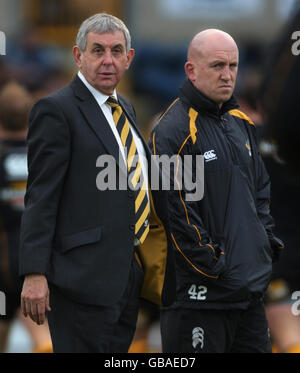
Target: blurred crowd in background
40,35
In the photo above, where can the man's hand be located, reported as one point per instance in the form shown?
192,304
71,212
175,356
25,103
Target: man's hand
35,298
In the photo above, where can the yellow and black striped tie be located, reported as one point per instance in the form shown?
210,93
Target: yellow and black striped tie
142,207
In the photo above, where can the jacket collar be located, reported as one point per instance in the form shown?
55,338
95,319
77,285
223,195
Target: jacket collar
192,96
95,117
85,95
99,96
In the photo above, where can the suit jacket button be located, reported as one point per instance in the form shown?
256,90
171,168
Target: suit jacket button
132,226
130,194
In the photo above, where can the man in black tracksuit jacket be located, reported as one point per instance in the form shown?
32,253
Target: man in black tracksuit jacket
223,243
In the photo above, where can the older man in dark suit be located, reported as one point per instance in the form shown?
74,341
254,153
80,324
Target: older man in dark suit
96,249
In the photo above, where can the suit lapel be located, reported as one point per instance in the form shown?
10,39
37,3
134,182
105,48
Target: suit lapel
95,118
97,121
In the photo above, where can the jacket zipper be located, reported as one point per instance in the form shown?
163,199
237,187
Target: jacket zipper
231,148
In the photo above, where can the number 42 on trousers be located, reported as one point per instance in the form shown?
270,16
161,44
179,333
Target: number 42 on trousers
197,292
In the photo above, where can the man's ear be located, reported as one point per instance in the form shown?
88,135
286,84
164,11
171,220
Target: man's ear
189,70
130,56
77,54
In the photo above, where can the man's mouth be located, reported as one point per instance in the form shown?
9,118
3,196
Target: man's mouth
106,73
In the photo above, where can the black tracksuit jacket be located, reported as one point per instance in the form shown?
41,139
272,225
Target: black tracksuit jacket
223,243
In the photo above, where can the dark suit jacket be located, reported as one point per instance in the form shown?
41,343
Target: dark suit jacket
81,237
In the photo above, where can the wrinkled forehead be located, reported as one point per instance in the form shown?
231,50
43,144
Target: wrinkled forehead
110,37
230,55
222,49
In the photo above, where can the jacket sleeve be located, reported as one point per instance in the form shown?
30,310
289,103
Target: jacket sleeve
48,156
263,207
191,242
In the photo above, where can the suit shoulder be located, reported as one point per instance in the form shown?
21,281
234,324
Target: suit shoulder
58,104
59,99
58,95
63,93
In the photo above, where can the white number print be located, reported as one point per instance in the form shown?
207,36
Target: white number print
295,306
197,292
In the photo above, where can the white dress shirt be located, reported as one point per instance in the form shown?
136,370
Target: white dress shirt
107,111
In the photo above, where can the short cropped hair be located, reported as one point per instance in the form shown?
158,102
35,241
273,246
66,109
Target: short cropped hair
102,23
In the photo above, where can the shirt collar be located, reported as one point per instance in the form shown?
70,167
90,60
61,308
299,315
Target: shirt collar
99,96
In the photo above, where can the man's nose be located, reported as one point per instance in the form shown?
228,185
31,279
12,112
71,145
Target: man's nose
226,73
107,59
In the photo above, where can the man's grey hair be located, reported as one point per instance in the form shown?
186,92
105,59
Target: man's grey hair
102,23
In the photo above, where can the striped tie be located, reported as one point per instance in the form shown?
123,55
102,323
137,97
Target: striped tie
142,207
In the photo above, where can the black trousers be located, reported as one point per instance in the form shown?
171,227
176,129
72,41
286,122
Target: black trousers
80,328
215,331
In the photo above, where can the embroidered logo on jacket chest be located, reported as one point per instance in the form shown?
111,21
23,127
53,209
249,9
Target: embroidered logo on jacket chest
210,155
